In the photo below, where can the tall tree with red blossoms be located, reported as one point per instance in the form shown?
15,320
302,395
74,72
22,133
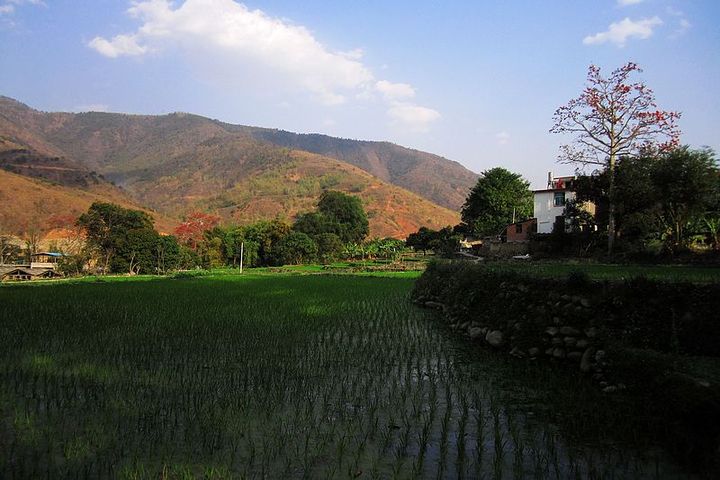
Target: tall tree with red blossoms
190,232
614,117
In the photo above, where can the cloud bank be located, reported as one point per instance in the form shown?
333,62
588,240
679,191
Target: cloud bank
7,7
625,3
503,138
619,32
236,37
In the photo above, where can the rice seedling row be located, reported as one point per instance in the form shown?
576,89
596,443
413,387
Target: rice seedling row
269,377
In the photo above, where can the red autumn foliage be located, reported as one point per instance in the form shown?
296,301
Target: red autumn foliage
190,232
614,117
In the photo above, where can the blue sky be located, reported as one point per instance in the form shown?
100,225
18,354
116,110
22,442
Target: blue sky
474,81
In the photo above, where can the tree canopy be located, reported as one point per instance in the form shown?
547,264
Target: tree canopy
687,185
337,213
666,197
126,239
295,248
498,196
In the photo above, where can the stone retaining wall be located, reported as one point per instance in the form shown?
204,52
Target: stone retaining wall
567,337
625,335
573,319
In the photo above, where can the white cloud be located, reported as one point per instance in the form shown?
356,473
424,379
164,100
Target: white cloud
23,2
395,91
415,117
234,45
355,54
118,46
683,24
8,6
625,3
619,32
503,138
232,31
91,107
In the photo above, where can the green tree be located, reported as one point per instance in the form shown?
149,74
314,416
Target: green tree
686,184
295,248
6,246
353,251
712,225
329,246
212,251
388,248
136,251
316,223
421,239
231,238
265,235
107,227
634,198
667,196
188,258
499,196
168,254
445,242
346,211
711,219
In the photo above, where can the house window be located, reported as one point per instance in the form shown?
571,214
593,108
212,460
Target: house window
518,228
559,199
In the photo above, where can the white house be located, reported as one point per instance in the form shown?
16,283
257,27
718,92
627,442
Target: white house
549,204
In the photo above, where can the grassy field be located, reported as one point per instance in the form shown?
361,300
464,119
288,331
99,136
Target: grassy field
600,271
282,376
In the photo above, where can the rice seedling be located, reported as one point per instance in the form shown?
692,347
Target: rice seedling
266,376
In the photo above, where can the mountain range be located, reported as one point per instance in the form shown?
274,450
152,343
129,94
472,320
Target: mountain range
169,165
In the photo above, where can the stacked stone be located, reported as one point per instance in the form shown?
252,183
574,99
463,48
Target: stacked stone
572,344
560,340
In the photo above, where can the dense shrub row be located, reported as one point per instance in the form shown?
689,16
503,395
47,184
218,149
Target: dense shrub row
674,317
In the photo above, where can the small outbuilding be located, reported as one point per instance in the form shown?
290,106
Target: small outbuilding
519,232
27,273
45,259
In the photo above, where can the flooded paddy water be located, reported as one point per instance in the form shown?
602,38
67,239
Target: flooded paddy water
283,377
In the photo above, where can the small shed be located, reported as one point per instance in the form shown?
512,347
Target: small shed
26,273
45,259
520,231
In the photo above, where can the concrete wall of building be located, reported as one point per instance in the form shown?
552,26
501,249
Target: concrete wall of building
545,211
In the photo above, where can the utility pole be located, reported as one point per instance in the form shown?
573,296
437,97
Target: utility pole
242,251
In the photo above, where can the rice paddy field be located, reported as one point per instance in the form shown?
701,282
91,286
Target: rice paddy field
283,376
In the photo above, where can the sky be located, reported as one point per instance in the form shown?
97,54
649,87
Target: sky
474,81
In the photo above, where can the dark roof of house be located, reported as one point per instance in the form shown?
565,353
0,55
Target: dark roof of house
33,272
565,189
